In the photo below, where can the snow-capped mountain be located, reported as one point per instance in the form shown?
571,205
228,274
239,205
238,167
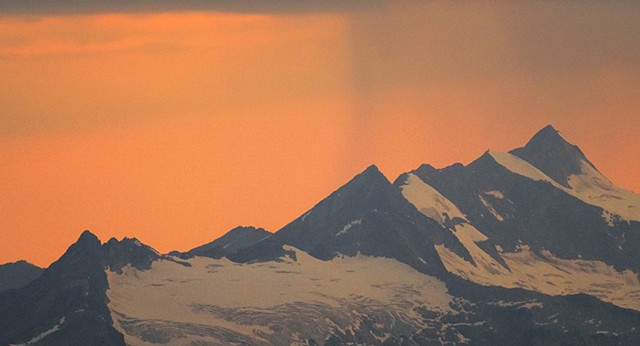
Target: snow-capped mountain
525,229
368,215
534,246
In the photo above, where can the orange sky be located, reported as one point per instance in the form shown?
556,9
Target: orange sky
175,127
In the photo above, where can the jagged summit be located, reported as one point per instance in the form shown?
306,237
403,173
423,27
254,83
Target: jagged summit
551,153
128,251
67,303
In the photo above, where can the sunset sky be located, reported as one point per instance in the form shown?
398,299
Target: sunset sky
174,123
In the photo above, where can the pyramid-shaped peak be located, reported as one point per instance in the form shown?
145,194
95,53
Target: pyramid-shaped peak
85,251
549,129
372,169
371,173
366,184
551,153
549,136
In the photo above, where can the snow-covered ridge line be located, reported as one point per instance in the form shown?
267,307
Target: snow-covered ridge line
428,200
589,186
433,204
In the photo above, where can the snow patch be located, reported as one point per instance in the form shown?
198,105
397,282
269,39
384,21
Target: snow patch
428,200
43,335
531,304
469,236
609,217
462,339
496,194
491,209
348,226
434,205
593,188
522,167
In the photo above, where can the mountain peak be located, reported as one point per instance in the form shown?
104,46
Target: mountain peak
548,135
549,129
372,170
87,244
128,251
373,174
232,241
246,229
551,153
88,238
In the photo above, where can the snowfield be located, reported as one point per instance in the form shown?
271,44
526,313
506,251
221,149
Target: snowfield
546,274
215,301
428,200
550,275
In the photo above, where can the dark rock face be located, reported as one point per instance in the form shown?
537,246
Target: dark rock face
368,215
119,254
535,213
67,303
553,155
17,275
499,316
232,241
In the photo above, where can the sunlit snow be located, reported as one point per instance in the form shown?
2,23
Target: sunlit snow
43,334
551,275
239,301
590,186
428,200
348,226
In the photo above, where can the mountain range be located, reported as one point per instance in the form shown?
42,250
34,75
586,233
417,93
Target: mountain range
528,247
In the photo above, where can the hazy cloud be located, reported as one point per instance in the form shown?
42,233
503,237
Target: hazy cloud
127,6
